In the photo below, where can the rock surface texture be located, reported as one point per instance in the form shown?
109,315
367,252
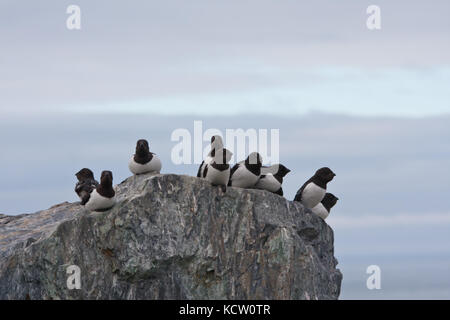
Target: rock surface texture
171,237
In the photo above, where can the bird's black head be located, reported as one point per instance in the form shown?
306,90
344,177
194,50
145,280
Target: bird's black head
216,142
325,174
254,159
329,201
84,174
142,147
106,178
282,170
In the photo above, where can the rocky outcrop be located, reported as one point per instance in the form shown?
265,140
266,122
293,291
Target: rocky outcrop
171,237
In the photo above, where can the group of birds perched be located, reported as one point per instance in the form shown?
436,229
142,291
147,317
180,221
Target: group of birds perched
249,173
101,196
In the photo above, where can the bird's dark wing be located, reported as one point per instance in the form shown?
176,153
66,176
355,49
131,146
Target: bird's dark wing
279,192
233,170
85,197
205,171
199,172
298,196
78,187
83,187
235,167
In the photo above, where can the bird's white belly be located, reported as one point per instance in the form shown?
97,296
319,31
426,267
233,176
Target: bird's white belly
217,177
153,166
269,183
320,211
312,195
96,202
243,178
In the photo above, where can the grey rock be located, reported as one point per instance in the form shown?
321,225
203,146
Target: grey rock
171,237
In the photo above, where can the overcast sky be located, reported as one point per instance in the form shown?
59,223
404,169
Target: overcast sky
392,180
210,57
374,105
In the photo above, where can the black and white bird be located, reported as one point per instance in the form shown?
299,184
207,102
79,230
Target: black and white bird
144,161
245,174
313,190
324,207
103,197
218,170
216,144
85,185
271,178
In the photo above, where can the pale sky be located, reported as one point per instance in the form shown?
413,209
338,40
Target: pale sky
372,105
211,57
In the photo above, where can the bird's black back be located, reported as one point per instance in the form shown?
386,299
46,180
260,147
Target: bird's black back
199,172
84,188
86,185
316,180
298,195
233,170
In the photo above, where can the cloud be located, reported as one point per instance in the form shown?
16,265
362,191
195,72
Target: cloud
267,57
390,91
395,220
